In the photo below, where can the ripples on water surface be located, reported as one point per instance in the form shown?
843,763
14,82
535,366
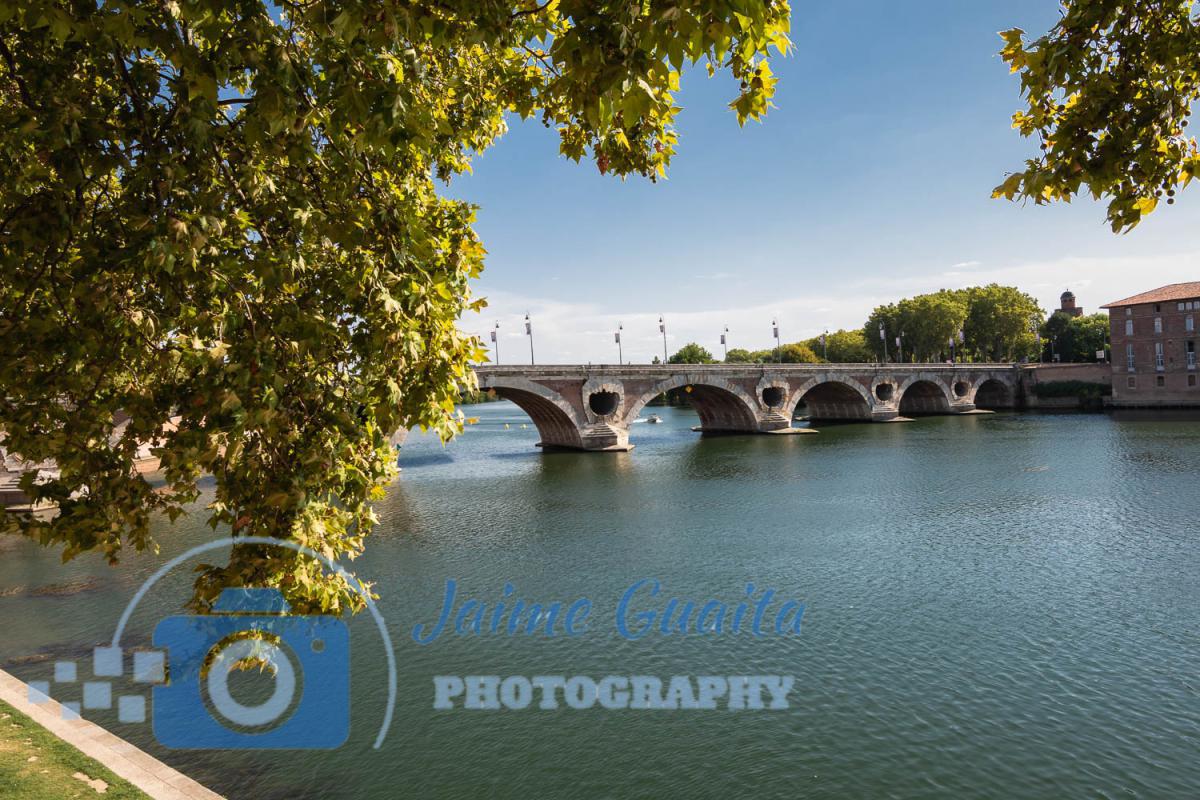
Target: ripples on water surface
998,606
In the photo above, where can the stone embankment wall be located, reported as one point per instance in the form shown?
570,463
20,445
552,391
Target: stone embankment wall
1034,374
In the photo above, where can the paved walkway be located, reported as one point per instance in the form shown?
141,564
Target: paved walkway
145,772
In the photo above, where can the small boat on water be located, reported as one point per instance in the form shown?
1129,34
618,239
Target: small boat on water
654,419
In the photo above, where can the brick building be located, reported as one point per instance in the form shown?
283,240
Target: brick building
1154,342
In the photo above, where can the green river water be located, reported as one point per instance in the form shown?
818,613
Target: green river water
1001,606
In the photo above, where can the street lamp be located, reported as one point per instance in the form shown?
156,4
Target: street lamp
883,338
778,351
496,341
662,328
824,346
620,355
725,343
529,333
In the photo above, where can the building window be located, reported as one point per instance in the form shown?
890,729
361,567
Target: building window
1189,323
1158,324
1191,355
1157,307
1129,311
1191,381
1131,382
1180,307
1160,381
1129,360
1129,327
1158,357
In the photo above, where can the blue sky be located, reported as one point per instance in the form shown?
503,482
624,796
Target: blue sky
870,181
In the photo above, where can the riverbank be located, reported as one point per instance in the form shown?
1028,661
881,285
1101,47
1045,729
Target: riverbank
43,755
36,765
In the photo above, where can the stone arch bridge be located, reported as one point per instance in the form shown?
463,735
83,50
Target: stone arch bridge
591,408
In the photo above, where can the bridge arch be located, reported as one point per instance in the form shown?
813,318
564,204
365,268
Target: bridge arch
721,405
990,393
556,420
834,396
924,394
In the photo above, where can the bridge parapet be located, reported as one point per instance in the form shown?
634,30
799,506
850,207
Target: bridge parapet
592,407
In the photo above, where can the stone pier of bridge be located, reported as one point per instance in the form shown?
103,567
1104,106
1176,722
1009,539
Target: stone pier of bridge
593,407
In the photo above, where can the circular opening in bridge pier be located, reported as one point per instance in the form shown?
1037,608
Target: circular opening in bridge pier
961,389
885,391
604,403
773,397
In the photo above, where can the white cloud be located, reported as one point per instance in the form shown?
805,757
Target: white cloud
966,264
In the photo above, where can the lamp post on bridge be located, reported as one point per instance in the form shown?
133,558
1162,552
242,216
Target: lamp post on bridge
900,348
496,341
883,338
662,328
620,355
725,343
825,346
961,340
778,347
529,333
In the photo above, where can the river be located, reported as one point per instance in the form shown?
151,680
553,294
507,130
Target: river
997,606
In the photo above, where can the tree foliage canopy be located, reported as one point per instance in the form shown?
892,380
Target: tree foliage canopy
740,355
1074,339
790,353
1001,323
842,347
229,212
692,353
997,323
793,353
1109,91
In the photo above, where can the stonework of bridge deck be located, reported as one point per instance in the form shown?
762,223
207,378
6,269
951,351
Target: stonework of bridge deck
592,407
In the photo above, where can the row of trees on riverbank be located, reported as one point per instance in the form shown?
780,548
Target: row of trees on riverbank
980,323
